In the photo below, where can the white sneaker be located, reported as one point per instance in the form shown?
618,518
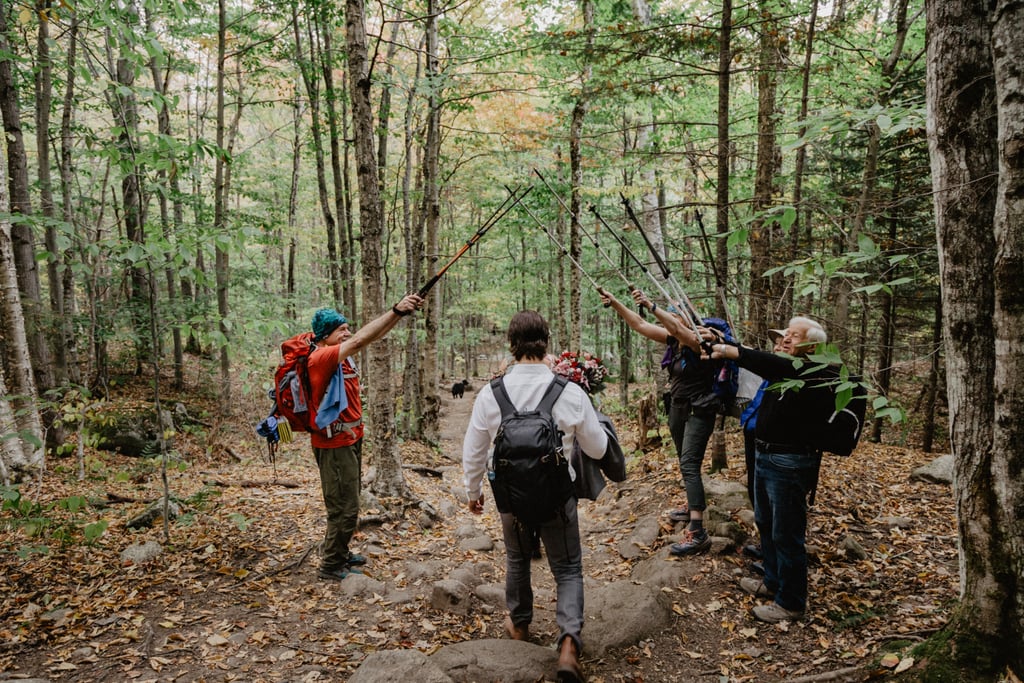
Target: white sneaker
773,613
756,587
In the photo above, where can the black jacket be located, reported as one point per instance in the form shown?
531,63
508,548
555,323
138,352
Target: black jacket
785,416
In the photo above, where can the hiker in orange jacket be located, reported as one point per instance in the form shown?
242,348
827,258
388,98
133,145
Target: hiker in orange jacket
338,445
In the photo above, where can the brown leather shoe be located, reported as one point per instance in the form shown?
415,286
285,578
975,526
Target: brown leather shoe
521,632
569,670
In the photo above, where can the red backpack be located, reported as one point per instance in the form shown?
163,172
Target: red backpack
291,390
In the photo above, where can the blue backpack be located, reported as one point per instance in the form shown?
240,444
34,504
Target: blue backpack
727,377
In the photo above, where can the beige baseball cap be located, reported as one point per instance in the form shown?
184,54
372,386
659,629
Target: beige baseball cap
776,334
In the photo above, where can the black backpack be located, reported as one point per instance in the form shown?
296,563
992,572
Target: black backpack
529,474
836,431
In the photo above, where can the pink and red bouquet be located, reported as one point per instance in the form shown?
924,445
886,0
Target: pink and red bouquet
583,368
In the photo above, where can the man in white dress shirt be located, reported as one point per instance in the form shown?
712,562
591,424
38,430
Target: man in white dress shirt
525,383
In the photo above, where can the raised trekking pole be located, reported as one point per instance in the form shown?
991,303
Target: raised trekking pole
662,265
515,198
563,249
629,284
719,280
683,300
641,265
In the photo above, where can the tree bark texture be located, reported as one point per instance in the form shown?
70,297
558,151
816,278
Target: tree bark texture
1008,272
22,240
380,404
430,400
975,116
18,399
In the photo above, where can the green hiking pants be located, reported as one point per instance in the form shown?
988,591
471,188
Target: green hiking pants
340,470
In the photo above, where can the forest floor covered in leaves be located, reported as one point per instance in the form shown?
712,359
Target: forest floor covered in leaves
234,596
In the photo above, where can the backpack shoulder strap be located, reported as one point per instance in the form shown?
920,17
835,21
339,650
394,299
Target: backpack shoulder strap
547,402
501,396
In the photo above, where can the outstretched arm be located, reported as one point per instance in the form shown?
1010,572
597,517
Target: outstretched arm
378,327
672,322
633,319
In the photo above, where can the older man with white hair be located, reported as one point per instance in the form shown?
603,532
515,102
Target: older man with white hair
786,465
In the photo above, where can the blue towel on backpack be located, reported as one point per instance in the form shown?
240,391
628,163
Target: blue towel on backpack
334,401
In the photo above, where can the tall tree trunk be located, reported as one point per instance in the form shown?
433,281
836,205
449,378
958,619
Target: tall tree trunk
430,400
307,68
23,242
222,260
68,335
288,269
349,261
932,387
19,411
764,246
163,117
331,97
1005,483
380,403
802,214
579,113
724,143
887,304
412,382
54,263
869,180
975,115
124,107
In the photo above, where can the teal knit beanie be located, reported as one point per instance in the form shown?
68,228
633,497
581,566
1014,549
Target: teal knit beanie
325,321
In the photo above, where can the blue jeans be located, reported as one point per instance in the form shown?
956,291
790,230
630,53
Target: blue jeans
781,485
690,433
561,538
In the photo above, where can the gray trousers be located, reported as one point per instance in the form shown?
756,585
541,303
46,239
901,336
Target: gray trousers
561,538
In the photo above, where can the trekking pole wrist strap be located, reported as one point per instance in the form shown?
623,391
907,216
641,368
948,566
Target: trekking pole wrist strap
400,314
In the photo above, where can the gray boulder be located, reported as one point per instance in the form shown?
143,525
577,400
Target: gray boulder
938,471
645,533
509,661
398,665
623,613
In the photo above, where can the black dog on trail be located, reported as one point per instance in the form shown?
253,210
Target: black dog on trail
459,387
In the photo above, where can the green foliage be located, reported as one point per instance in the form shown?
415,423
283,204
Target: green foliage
240,520
58,521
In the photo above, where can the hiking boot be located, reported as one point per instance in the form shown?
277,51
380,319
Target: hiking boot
680,515
694,543
338,574
753,550
520,632
773,613
569,670
756,587
355,560
757,568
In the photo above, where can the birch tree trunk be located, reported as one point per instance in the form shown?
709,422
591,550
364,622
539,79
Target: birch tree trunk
380,407
23,242
19,410
975,119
